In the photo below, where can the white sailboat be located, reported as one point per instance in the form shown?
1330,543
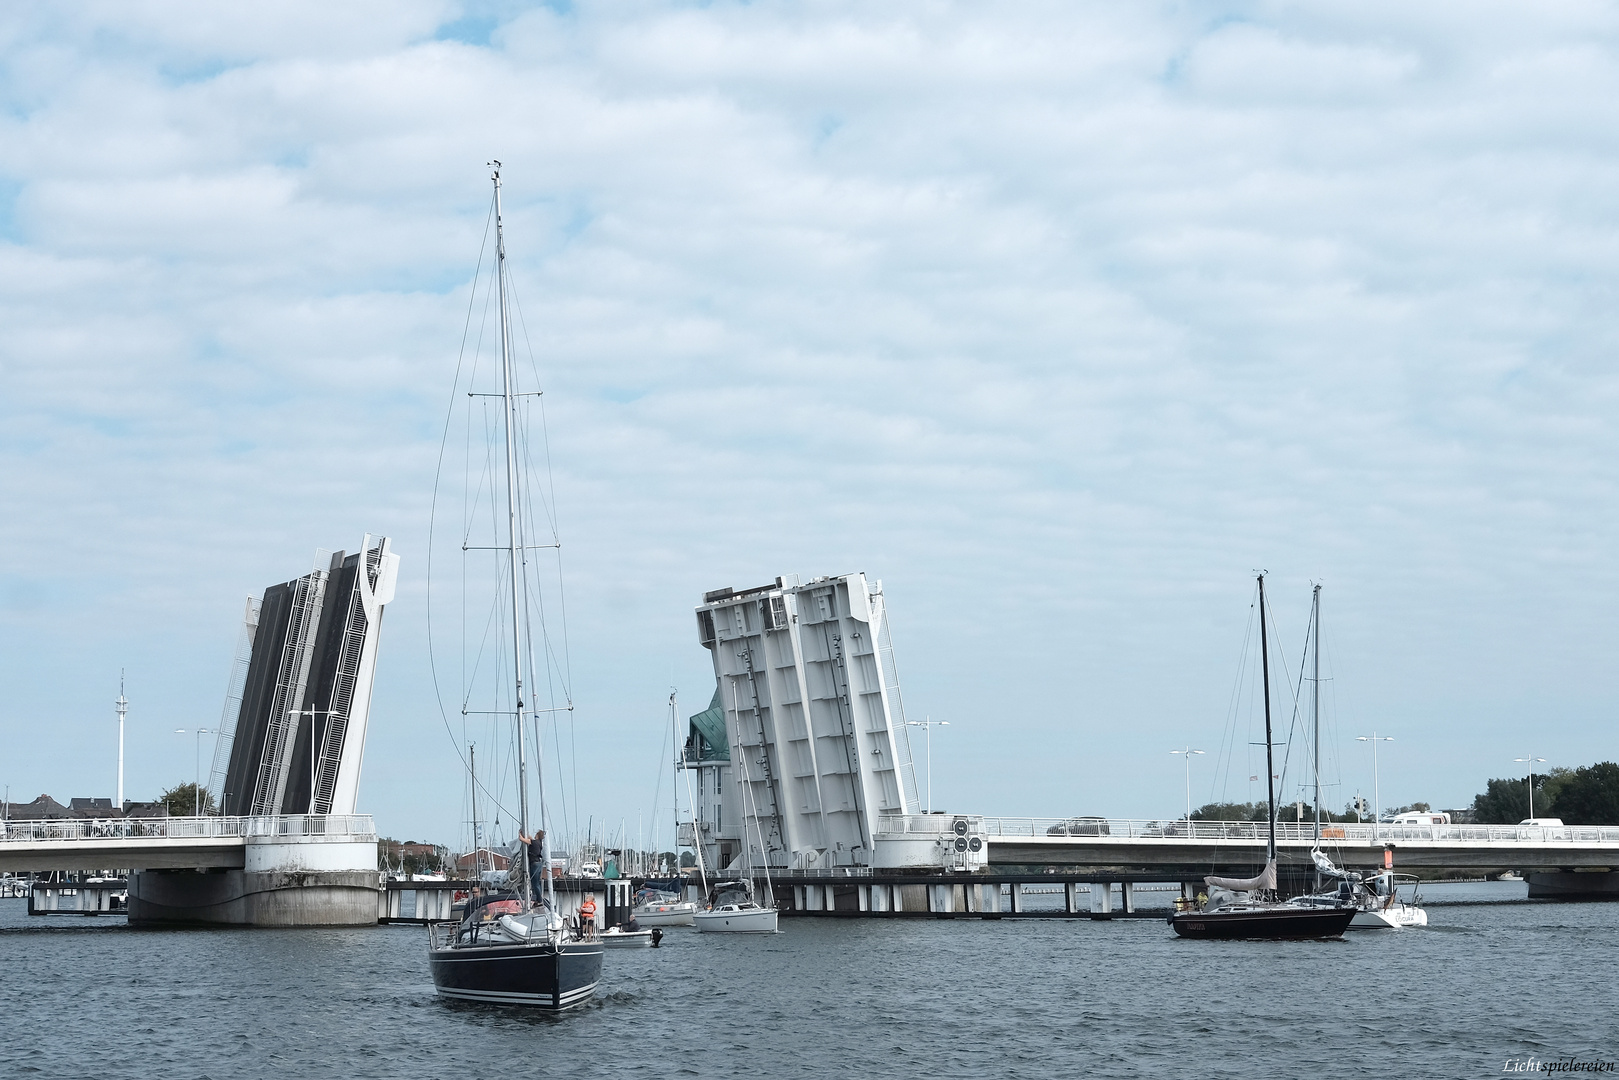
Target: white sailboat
657,907
731,904
1377,901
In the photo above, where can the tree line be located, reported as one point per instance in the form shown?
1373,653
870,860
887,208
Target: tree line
1588,795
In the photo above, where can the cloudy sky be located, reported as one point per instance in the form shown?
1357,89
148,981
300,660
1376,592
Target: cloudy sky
1061,319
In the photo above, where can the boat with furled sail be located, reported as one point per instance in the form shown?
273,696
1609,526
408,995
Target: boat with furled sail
517,951
1247,907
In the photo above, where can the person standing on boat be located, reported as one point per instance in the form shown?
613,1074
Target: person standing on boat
587,917
538,863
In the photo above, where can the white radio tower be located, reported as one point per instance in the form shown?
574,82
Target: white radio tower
123,708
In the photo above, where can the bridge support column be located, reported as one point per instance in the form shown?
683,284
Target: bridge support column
286,881
1070,891
1569,885
1127,890
1101,900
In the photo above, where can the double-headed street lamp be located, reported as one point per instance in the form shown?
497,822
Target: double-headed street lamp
929,725
1530,761
1377,797
1188,752
196,767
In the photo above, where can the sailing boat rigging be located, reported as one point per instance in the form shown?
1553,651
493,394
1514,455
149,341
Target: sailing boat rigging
731,905
1232,910
528,956
654,905
1377,902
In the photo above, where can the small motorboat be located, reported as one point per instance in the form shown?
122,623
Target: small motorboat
617,937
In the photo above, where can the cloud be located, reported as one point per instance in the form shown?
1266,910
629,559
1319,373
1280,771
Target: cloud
1059,320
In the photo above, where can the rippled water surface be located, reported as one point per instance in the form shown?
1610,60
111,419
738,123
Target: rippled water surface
1486,982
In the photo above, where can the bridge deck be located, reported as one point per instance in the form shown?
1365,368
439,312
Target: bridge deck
175,843
1179,846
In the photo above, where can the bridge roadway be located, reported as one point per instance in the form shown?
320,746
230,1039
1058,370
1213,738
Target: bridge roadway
1180,849
1174,849
175,843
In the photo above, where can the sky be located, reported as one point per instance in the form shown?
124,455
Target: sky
1060,319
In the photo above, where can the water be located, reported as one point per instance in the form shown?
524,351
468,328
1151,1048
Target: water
1486,982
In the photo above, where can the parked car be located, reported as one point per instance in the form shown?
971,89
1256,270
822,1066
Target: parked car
1080,826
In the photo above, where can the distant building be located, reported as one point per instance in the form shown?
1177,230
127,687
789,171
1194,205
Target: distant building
397,849
44,808
482,859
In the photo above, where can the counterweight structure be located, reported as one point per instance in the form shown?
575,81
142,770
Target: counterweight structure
294,725
817,765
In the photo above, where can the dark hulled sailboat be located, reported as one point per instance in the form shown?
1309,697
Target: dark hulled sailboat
1265,917
514,950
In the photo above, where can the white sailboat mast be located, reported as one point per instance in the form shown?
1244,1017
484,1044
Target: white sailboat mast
1315,634
509,405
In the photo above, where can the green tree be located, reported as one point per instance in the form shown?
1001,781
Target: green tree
1230,811
1505,801
181,799
1586,796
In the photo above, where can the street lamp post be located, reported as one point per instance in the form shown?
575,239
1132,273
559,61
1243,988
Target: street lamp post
1530,761
1187,754
1377,796
929,725
196,767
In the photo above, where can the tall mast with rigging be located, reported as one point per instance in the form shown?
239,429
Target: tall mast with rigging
509,408
1270,769
1315,637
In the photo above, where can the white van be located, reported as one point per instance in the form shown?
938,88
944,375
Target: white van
1543,822
1421,817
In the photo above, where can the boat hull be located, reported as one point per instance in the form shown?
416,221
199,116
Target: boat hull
1278,922
627,939
758,921
665,914
1389,918
538,976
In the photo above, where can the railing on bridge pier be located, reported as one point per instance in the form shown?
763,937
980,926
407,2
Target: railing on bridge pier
359,826
1095,828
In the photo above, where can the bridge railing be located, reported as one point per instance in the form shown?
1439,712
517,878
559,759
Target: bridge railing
358,826
1103,828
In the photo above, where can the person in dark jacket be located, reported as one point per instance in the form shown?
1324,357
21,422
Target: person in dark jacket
538,863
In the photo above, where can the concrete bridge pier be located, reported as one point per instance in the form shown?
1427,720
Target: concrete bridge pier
1574,885
312,880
